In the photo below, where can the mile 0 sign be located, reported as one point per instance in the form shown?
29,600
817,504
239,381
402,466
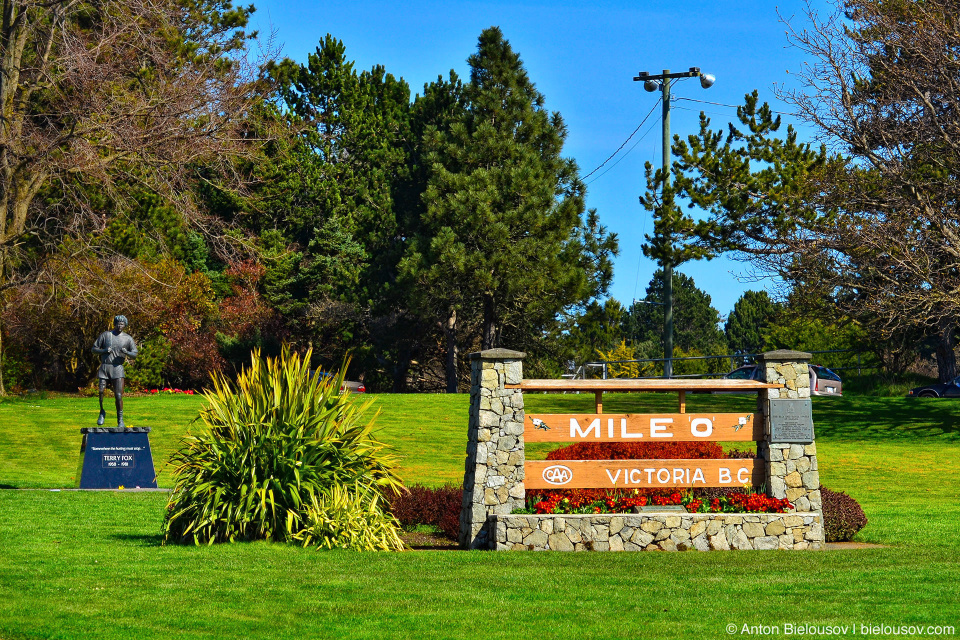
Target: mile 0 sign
791,421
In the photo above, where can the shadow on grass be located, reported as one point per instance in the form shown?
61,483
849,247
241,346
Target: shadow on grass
155,540
888,418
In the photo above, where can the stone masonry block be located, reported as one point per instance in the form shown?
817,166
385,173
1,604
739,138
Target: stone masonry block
514,372
489,419
719,542
766,543
513,428
795,493
560,542
811,480
740,541
777,488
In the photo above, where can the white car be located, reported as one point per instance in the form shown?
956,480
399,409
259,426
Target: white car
823,381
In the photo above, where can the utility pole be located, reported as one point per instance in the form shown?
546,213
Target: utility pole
663,82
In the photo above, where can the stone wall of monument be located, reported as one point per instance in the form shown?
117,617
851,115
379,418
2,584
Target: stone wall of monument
657,532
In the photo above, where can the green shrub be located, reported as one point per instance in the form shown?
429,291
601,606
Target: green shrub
266,452
147,370
354,518
882,385
17,372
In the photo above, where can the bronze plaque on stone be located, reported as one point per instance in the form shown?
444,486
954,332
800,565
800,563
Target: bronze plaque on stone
791,421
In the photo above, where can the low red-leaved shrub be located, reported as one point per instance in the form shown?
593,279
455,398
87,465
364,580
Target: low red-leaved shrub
637,451
842,515
438,507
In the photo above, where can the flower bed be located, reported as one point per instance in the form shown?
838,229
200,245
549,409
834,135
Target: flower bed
590,501
188,392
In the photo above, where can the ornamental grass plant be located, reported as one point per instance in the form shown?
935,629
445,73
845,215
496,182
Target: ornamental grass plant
271,453
352,517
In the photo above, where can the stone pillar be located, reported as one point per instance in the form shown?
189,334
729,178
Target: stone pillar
791,468
493,477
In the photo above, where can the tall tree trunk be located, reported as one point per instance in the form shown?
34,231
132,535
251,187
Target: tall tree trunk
946,358
401,369
491,339
3,389
450,332
4,261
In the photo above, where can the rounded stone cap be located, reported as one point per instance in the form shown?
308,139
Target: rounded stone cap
785,355
498,354
115,430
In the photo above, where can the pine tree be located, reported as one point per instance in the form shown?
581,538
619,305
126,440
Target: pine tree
695,320
333,206
352,161
751,317
502,228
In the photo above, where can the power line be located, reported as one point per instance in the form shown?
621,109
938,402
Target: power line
639,140
732,106
712,113
622,145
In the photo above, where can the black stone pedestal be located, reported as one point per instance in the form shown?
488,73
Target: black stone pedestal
113,457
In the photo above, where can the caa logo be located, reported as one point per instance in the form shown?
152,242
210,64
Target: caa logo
557,474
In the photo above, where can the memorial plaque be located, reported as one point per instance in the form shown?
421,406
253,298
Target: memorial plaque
111,458
791,421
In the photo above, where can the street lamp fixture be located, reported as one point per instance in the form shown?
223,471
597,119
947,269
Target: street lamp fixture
651,83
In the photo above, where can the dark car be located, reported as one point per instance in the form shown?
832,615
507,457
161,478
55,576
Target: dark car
939,390
823,381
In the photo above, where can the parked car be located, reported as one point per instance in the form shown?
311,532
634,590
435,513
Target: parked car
353,387
348,385
939,390
823,381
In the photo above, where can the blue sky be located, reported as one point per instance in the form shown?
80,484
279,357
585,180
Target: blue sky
582,57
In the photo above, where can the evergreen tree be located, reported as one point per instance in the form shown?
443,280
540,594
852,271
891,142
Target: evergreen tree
354,154
750,319
696,322
502,228
599,327
332,210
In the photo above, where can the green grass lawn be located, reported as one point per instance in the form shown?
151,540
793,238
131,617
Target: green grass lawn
89,564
